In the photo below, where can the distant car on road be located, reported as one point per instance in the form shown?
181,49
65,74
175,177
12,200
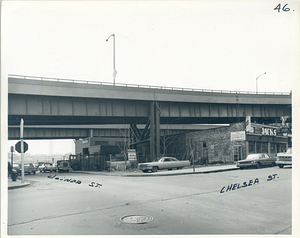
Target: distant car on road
48,167
29,168
284,158
63,166
256,160
164,163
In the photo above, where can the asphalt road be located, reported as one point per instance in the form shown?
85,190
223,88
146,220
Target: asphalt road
251,201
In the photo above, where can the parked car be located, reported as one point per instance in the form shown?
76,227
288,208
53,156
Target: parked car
164,163
36,165
48,167
256,160
29,168
284,158
17,168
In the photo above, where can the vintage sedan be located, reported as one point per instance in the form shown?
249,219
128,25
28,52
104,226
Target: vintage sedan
284,158
48,167
164,163
256,160
29,168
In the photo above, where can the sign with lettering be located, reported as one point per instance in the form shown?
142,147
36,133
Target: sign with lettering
265,131
131,154
249,128
238,136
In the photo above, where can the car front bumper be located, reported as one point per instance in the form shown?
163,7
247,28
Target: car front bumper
246,165
283,162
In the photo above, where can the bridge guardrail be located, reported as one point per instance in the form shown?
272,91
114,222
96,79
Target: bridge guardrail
143,86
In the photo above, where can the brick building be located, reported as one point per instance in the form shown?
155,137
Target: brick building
229,143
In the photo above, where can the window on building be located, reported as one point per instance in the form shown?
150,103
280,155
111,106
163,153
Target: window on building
264,147
251,147
273,148
258,147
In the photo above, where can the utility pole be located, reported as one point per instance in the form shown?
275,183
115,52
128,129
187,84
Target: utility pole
22,148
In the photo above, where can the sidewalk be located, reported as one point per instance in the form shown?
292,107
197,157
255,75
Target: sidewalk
139,173
16,184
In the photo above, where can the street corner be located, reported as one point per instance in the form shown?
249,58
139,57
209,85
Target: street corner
17,184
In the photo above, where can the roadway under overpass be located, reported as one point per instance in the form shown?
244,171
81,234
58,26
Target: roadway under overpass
58,103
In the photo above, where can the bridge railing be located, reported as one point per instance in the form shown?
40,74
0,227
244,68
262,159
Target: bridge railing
141,86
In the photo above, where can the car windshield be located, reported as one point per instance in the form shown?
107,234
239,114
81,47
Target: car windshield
253,156
157,159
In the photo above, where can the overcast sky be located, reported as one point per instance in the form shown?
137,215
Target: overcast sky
220,45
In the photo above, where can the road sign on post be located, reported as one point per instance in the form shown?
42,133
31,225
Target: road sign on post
18,146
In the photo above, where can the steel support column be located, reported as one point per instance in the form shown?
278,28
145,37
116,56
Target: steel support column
152,132
157,129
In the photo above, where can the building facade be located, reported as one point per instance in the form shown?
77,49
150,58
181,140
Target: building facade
230,143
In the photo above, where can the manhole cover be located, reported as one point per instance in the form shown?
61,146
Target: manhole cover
136,219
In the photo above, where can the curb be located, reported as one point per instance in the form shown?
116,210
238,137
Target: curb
183,173
158,174
25,184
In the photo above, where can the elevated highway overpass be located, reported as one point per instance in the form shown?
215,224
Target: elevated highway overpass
60,103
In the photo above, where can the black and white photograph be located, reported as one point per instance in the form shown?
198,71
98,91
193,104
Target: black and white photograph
150,118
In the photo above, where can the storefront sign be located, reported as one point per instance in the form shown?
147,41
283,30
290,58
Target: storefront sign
131,154
249,128
238,136
265,131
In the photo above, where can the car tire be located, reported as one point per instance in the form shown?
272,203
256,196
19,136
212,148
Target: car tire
33,172
241,167
280,166
273,164
154,169
258,165
145,170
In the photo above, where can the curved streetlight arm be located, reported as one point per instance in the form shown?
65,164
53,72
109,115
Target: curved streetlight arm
257,79
110,36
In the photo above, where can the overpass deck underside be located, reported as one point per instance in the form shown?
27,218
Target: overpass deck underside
49,110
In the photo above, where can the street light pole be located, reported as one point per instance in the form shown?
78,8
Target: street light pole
114,57
256,81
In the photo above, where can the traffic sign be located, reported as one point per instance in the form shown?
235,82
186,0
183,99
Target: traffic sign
18,146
